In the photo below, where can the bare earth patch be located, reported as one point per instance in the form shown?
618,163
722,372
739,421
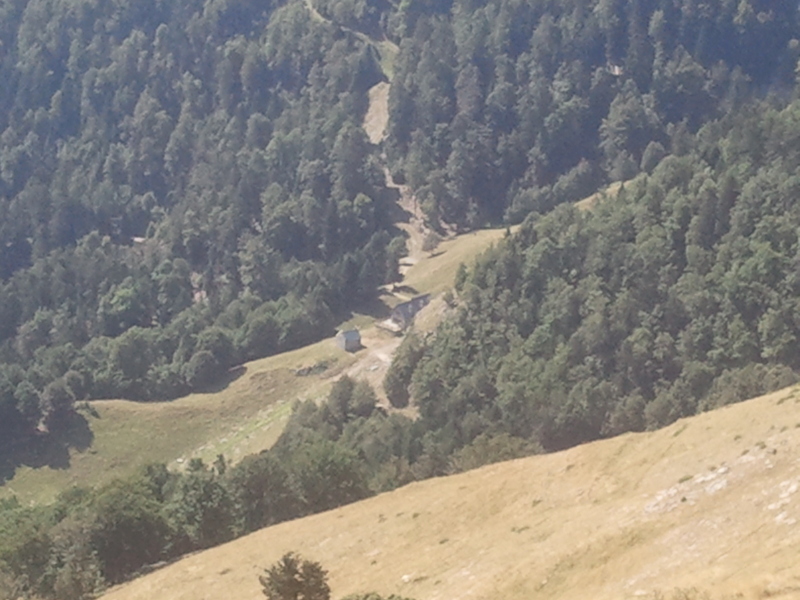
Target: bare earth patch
377,117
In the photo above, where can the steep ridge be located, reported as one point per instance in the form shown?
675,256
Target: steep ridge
709,504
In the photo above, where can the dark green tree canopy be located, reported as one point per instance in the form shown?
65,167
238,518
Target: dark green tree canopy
295,578
181,188
186,186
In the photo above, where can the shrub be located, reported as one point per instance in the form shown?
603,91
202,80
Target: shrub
294,578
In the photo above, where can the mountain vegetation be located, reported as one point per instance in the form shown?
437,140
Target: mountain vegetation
341,451
295,578
678,295
90,538
504,107
187,186
182,187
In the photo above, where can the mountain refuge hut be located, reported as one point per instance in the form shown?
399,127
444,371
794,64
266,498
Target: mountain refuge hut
349,341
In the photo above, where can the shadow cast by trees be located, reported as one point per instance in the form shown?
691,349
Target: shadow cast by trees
372,307
400,288
397,214
224,380
51,449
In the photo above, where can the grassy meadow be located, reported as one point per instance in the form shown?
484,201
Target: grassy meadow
706,508
244,415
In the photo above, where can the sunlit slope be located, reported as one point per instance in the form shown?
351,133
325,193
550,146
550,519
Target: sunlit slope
711,503
435,273
244,416
241,417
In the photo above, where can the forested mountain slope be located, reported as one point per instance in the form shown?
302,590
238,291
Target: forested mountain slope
678,295
506,106
136,490
182,187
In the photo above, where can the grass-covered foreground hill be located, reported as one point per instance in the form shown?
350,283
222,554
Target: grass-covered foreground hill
710,504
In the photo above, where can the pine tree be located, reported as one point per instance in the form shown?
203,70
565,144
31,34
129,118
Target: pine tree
294,578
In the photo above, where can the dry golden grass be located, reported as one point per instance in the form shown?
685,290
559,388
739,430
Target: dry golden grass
709,505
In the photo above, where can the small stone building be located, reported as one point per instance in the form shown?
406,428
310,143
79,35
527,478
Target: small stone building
349,341
403,314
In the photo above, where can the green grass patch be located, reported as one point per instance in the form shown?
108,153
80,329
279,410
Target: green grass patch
388,53
113,438
436,273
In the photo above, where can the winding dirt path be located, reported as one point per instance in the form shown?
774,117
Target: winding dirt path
410,219
379,345
377,118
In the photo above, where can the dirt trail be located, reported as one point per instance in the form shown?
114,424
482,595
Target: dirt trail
383,45
411,222
375,123
379,345
377,117
413,225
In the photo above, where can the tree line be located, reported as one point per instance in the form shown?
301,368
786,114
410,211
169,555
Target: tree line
342,450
